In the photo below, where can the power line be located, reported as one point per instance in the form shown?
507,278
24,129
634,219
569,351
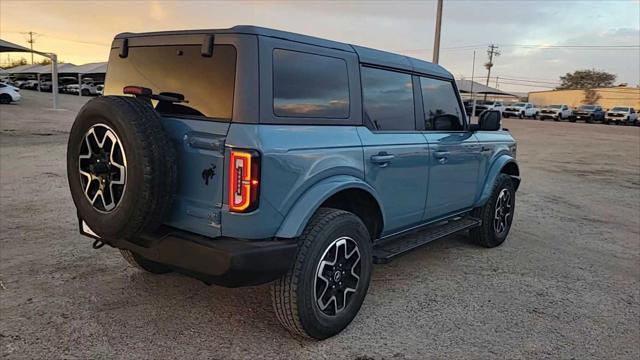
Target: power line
78,41
571,46
531,81
535,46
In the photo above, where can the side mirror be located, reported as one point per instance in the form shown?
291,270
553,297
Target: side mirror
490,120
446,122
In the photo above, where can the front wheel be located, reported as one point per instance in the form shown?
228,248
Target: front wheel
323,290
5,99
496,214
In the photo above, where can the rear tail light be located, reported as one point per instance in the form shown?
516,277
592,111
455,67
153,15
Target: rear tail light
244,180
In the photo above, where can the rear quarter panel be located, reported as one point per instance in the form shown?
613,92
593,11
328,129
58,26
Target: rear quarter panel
293,159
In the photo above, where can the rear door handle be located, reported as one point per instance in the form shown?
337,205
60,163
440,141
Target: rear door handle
382,158
441,154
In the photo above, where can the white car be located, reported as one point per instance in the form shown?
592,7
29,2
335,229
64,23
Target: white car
556,112
489,105
621,115
521,110
9,94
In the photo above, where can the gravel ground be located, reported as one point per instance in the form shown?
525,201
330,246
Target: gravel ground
566,284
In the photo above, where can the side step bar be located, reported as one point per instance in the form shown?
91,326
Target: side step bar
389,249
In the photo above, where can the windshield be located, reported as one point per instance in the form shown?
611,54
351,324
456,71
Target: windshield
518,105
587,107
486,102
620,109
207,83
555,106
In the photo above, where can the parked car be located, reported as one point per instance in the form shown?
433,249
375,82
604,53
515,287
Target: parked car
621,115
298,162
18,83
521,110
482,105
64,82
29,85
100,89
45,86
556,112
9,94
489,105
73,89
588,113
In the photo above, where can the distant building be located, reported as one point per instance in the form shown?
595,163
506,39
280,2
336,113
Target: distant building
608,97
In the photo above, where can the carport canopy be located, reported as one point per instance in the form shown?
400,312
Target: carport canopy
466,86
6,46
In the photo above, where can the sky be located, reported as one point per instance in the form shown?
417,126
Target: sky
567,35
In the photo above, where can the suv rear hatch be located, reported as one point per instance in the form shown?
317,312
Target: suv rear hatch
198,79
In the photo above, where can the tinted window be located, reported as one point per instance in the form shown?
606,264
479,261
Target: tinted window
438,99
388,99
307,85
207,83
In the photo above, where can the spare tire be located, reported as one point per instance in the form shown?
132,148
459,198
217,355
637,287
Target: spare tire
121,167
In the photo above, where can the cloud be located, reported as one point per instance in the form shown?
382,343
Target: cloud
156,11
400,26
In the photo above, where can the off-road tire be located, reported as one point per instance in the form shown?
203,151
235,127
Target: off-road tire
151,166
85,92
141,263
293,296
5,99
485,235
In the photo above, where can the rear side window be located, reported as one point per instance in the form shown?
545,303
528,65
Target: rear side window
309,86
388,99
438,99
207,83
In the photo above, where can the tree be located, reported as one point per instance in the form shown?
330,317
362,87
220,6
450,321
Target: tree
45,61
586,79
14,63
591,97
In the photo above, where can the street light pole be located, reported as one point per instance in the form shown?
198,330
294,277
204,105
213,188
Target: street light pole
436,41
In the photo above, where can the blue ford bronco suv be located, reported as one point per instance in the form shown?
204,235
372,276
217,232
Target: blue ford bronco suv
248,155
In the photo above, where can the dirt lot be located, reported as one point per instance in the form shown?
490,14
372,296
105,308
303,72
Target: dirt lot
566,284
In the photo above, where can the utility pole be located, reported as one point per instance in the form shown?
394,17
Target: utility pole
436,40
31,41
473,98
492,51
497,77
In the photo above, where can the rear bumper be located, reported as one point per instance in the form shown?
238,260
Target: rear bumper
223,261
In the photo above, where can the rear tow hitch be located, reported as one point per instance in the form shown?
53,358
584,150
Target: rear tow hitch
97,244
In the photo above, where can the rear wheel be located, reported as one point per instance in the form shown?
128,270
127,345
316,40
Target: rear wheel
325,287
141,263
496,214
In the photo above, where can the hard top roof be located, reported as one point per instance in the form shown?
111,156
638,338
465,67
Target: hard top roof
366,55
